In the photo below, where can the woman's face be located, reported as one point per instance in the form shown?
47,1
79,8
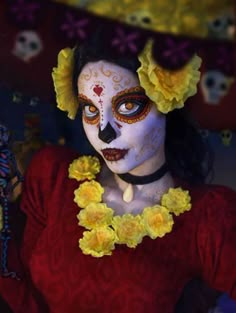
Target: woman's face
120,121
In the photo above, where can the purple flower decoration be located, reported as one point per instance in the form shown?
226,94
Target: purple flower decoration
23,10
173,52
176,50
125,41
74,27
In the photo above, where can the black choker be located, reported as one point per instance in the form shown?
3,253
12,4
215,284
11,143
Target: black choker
147,179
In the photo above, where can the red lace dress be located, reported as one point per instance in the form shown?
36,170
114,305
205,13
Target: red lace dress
150,278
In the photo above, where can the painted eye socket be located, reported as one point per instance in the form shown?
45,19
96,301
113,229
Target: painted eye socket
128,108
131,109
90,111
90,114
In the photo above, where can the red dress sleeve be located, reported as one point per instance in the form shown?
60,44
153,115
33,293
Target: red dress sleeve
39,185
216,236
22,296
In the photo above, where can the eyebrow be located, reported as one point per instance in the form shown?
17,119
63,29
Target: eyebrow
137,90
83,98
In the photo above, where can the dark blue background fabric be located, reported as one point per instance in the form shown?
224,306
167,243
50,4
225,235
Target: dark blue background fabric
17,111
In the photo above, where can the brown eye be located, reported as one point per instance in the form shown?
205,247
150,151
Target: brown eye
129,105
90,113
92,109
128,108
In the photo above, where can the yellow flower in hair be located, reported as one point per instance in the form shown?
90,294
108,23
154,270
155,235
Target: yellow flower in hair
129,229
88,192
177,200
95,215
157,221
62,78
85,167
98,242
167,89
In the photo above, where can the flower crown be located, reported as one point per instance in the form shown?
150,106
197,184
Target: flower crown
167,89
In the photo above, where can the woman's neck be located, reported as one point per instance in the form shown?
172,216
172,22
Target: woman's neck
151,165
130,196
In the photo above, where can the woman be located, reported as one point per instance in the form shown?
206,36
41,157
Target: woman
143,230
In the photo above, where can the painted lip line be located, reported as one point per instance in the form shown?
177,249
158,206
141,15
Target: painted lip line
114,154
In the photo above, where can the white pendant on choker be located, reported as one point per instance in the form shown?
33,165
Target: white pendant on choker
128,194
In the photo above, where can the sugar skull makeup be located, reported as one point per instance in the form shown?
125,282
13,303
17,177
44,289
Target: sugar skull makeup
120,121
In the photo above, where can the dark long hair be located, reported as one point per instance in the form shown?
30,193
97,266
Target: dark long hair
188,155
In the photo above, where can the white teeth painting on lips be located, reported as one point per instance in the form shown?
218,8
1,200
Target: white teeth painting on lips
111,154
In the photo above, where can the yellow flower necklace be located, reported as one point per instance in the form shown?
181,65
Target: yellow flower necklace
104,230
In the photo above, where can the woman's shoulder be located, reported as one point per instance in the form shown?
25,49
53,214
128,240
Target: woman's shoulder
47,178
213,206
213,210
48,171
54,154
208,226
213,196
50,160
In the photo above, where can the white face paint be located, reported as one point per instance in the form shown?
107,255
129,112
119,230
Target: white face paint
112,94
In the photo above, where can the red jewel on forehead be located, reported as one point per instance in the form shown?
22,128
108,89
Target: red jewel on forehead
98,90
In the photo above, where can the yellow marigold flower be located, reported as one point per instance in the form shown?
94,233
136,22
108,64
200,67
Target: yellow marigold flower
129,229
157,221
167,89
177,200
85,167
62,78
88,192
95,215
98,242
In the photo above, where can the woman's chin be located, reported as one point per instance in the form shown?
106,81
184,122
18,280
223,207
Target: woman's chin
120,167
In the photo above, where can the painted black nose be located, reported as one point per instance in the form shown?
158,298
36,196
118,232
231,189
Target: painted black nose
107,134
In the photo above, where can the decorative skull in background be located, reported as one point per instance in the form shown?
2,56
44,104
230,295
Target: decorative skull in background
27,45
214,85
141,18
222,27
226,136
